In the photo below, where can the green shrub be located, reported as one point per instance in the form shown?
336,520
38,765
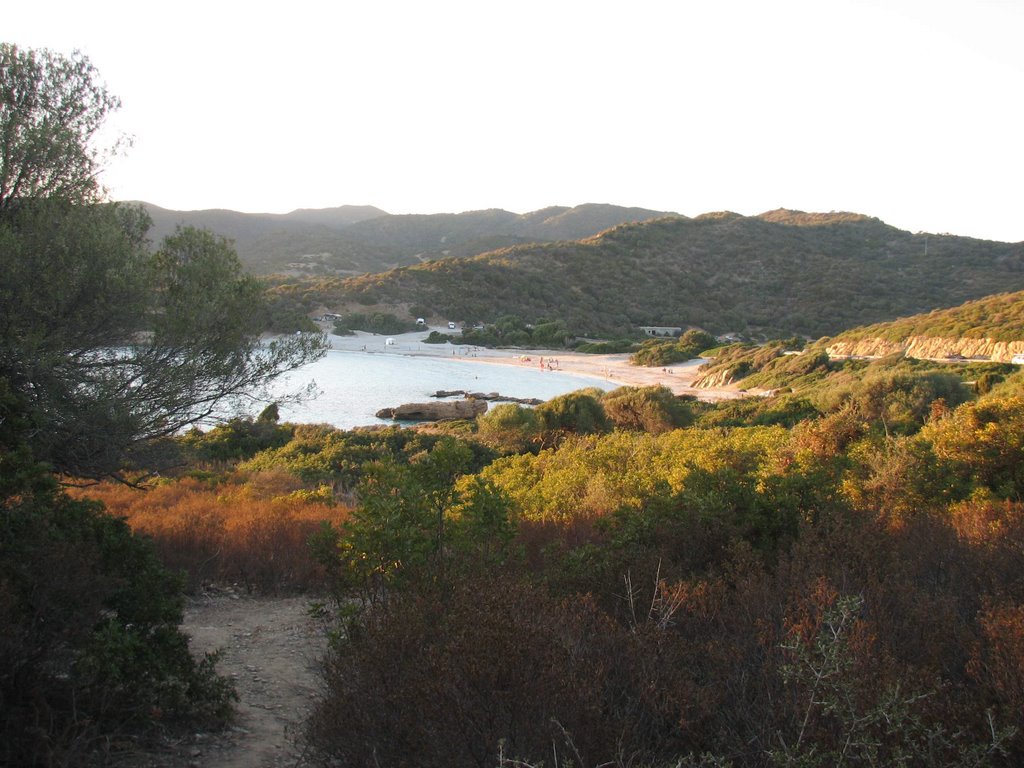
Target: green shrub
573,413
436,337
509,427
89,640
239,438
657,352
648,409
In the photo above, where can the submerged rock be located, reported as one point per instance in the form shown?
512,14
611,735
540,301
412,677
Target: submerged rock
489,396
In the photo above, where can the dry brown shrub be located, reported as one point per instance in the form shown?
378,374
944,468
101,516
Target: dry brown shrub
998,658
252,530
453,677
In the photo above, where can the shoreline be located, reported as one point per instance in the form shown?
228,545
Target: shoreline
609,369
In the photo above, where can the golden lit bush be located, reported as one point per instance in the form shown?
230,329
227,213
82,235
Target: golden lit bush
251,530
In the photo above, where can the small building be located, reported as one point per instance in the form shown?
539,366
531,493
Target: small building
1017,359
661,331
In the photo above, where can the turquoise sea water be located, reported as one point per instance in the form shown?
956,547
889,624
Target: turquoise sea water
353,386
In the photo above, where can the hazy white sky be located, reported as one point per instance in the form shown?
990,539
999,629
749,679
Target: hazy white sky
909,111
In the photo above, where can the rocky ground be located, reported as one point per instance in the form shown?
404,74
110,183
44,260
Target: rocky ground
271,650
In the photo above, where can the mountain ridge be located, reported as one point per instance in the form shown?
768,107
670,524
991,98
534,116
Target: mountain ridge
359,239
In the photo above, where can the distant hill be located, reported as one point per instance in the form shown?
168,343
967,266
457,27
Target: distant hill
436,234
303,242
247,227
780,272
359,239
335,218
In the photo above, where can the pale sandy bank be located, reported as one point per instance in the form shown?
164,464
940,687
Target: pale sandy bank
611,369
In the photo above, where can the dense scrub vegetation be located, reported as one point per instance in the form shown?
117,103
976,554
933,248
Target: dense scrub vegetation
767,596
637,578
776,274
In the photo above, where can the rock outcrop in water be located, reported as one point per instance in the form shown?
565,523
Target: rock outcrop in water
441,411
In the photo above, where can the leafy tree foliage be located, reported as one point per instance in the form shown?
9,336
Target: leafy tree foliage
51,108
399,532
238,438
984,444
509,427
803,595
513,331
105,348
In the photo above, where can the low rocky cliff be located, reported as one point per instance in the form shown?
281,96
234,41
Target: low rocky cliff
925,347
718,379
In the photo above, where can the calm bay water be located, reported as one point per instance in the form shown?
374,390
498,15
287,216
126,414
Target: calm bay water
355,385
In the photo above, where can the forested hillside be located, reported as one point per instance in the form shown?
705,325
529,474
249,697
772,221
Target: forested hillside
781,272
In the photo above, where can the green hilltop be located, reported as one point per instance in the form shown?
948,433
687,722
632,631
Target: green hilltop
783,272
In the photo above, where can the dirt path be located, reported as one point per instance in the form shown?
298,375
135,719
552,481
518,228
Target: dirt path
271,652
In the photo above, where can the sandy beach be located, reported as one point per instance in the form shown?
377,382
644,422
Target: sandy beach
610,369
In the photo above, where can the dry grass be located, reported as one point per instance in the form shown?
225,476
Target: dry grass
251,530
